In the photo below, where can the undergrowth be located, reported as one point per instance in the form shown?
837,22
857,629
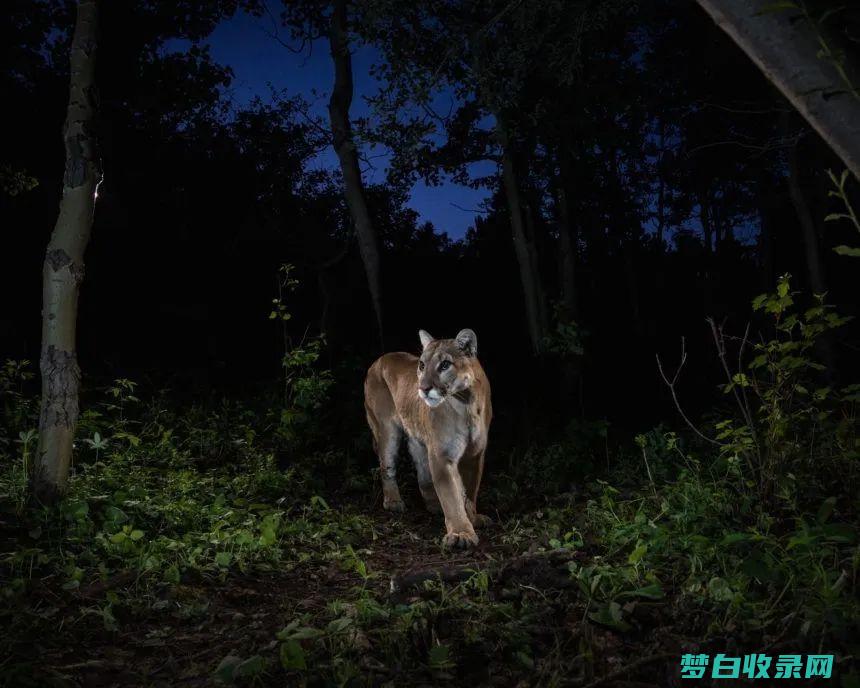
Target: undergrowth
742,534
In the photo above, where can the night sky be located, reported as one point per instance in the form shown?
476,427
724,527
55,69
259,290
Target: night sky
260,64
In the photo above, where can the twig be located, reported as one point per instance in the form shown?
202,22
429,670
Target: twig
671,386
648,469
743,404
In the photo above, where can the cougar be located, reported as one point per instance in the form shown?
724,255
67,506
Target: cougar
440,403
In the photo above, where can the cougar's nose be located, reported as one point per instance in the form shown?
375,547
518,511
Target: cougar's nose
426,388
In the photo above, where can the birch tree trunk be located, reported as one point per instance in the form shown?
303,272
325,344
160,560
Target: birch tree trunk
63,268
786,49
344,146
523,246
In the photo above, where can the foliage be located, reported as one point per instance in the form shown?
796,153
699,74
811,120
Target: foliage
839,191
792,422
305,387
14,182
159,528
566,339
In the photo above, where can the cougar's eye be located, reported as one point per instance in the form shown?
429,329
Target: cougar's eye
444,365
420,365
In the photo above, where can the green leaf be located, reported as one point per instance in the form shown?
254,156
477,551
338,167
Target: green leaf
438,656
253,666
610,615
226,670
649,592
826,509
338,625
839,532
292,655
77,511
852,251
306,633
720,590
136,535
637,554
223,559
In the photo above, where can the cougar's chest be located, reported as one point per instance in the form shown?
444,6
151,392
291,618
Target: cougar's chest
470,425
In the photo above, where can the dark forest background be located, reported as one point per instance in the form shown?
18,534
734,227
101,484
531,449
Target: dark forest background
213,515
676,153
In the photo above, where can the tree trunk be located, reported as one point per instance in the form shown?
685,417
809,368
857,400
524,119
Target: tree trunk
705,219
661,178
529,212
785,48
344,146
814,265
523,245
567,242
63,268
766,206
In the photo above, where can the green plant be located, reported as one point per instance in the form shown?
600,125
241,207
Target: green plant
567,337
787,410
305,387
840,192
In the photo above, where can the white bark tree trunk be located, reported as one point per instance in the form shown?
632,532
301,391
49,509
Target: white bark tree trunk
63,268
786,48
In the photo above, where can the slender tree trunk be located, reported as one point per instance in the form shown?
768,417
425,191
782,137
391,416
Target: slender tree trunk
707,225
814,266
661,195
344,146
566,241
786,49
523,245
530,212
63,268
765,236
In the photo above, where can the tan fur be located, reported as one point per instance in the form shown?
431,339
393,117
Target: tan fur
448,441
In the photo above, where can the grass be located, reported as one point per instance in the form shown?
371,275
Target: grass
234,544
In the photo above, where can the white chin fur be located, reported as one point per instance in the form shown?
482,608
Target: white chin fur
432,398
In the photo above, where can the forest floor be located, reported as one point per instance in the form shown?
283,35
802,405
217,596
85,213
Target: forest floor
509,613
192,550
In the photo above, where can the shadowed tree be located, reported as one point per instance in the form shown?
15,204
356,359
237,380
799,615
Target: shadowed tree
63,269
335,21
344,146
788,44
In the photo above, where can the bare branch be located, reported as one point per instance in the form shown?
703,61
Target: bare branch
671,386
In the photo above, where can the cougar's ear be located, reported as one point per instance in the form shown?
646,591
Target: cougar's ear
467,340
425,337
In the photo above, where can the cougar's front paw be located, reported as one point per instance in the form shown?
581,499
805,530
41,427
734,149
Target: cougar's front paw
395,505
462,539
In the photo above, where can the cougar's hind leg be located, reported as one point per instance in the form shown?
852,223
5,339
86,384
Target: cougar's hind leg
418,452
471,469
390,438
387,435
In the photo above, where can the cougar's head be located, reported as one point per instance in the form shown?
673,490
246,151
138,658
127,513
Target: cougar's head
445,366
